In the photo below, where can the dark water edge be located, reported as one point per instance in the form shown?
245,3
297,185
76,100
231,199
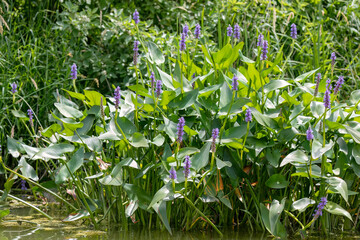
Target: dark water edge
24,223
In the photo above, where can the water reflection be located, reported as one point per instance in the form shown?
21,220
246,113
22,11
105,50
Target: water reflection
25,224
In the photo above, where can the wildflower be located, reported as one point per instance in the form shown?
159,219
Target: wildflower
152,78
264,50
293,32
186,30
136,52
182,42
229,31
248,116
13,87
328,84
215,134
327,103
197,31
23,186
172,173
260,40
333,58
235,83
73,71
30,114
237,31
136,17
318,78
338,85
117,96
158,90
187,166
309,134
320,207
180,129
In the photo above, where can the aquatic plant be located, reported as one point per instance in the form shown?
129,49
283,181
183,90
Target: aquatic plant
250,162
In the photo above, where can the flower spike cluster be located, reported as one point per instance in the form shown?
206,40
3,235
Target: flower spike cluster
320,207
309,134
187,166
136,17
235,83
158,90
73,71
197,31
333,58
229,31
248,116
13,87
327,102
215,134
293,33
264,50
172,173
136,52
117,96
318,78
180,129
186,30
182,42
237,31
338,85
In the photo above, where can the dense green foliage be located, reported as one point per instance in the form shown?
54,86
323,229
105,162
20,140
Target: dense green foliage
112,163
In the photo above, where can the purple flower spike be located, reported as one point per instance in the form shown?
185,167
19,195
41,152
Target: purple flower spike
13,87
229,31
23,186
136,52
235,83
293,32
117,96
182,42
73,71
333,58
158,90
215,134
237,31
327,103
248,116
172,173
180,129
318,78
264,50
328,84
186,30
187,166
136,17
152,79
30,114
197,31
338,85
260,40
320,207
309,134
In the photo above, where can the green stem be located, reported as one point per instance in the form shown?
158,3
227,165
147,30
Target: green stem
203,215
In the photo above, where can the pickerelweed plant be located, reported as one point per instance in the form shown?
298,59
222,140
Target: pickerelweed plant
235,144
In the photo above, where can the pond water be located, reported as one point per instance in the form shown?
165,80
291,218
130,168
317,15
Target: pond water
25,223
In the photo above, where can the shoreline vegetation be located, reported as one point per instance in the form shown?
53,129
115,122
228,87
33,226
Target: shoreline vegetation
184,116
